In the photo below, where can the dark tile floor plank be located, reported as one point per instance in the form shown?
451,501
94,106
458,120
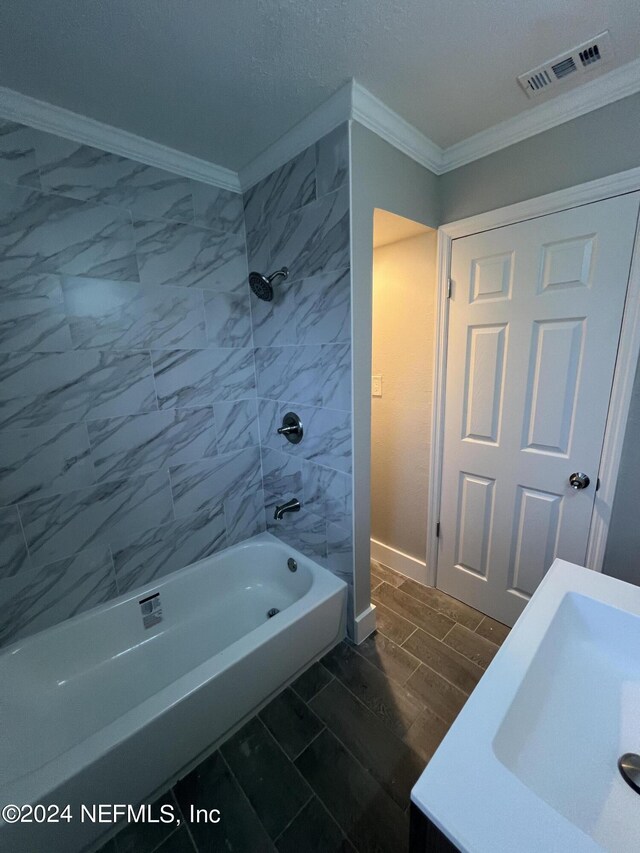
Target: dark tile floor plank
445,660
210,786
392,659
274,788
384,573
471,645
291,722
314,831
392,703
328,766
366,813
443,603
386,757
437,693
311,681
179,842
145,837
425,734
494,631
392,625
413,610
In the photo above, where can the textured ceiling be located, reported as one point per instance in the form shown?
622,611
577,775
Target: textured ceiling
222,79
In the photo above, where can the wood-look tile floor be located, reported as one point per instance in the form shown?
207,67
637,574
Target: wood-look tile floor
328,766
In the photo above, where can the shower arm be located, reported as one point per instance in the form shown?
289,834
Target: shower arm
284,272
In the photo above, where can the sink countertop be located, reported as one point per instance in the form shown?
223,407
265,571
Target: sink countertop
530,764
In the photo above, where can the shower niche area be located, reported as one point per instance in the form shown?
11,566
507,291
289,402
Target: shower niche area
403,332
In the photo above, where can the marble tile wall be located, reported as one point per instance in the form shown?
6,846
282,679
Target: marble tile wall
129,420
299,217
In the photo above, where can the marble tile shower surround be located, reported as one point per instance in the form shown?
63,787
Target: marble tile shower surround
141,383
299,217
129,423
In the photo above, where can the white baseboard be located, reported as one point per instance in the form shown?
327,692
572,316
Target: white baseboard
399,561
365,624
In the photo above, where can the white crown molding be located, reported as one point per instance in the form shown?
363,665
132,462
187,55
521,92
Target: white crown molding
325,118
613,86
379,118
52,119
355,102
351,101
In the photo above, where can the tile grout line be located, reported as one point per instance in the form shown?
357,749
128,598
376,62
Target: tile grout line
243,792
404,683
399,645
483,616
451,648
421,603
402,616
185,821
296,815
450,683
356,759
442,639
377,717
317,693
462,654
315,737
406,640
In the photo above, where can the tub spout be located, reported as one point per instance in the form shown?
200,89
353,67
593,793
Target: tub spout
291,506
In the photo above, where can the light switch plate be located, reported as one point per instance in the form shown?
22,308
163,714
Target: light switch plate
376,385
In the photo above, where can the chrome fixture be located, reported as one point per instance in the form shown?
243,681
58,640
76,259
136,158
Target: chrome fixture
579,480
273,612
291,506
262,285
291,428
629,767
292,565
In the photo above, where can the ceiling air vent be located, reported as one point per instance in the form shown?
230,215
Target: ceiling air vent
592,56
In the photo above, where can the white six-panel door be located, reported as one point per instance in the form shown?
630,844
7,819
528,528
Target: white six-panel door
535,316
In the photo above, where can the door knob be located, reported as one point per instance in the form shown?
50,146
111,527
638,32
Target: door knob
578,480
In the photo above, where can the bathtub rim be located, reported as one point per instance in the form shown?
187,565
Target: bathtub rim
54,773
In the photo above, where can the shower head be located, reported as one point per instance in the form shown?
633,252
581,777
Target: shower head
262,285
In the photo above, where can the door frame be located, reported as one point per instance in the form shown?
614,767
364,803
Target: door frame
625,367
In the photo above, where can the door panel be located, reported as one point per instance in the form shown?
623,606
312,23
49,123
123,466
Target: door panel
535,538
475,520
534,322
486,352
556,355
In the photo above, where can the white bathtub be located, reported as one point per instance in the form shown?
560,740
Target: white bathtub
101,709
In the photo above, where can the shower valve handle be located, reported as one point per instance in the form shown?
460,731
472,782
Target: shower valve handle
291,428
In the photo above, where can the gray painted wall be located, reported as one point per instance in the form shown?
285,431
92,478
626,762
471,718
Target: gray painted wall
381,177
128,422
600,143
622,557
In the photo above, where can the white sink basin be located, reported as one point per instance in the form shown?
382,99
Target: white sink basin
531,762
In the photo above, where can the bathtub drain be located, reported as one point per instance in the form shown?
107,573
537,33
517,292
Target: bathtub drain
272,612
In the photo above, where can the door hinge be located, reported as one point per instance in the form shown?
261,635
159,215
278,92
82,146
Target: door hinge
437,529
449,288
